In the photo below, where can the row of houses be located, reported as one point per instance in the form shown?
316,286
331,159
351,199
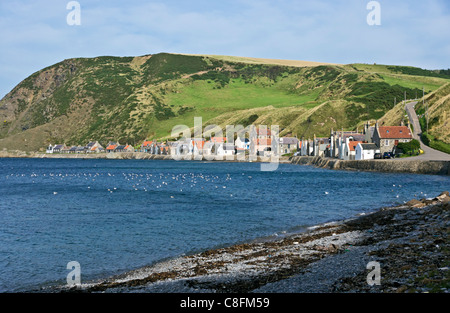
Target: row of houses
350,145
91,147
345,145
260,143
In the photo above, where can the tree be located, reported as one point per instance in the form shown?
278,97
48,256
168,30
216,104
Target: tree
409,147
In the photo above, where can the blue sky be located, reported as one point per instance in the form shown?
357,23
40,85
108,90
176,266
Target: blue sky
35,34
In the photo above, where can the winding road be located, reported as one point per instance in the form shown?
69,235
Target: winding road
430,154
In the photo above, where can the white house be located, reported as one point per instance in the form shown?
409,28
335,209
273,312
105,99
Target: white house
225,149
242,143
348,149
50,149
366,151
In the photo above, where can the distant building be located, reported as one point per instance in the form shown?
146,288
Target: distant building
111,147
242,144
94,147
50,149
387,137
366,151
226,149
288,145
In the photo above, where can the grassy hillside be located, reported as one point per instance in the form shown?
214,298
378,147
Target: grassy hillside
135,98
438,104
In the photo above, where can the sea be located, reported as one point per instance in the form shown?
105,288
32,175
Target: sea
114,216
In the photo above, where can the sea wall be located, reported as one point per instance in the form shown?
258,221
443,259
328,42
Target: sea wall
122,156
112,156
388,166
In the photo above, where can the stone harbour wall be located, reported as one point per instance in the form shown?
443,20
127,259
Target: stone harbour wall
388,166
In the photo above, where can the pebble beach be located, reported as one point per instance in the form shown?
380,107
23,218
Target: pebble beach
409,242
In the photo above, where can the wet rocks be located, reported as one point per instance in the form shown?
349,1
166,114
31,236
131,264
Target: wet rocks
410,242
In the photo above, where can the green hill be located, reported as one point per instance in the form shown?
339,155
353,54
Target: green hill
130,99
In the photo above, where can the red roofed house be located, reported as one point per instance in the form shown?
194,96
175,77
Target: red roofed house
128,148
387,137
146,145
218,140
261,146
198,146
350,150
111,147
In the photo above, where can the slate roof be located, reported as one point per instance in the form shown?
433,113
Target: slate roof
369,146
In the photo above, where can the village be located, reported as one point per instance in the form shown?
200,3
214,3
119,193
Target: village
372,142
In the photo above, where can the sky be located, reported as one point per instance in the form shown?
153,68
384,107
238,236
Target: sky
38,33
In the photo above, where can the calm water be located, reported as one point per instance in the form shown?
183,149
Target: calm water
112,216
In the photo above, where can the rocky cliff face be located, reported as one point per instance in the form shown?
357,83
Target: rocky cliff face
28,103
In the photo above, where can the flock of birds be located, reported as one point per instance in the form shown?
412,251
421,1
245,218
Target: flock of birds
153,181
114,182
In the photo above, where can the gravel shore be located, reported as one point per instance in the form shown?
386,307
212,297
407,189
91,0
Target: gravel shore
408,242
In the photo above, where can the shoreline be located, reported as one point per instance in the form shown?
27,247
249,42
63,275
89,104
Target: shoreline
384,166
127,156
412,166
409,241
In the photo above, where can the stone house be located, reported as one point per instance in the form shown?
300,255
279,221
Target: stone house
387,137
288,145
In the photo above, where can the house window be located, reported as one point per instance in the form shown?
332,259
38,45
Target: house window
386,142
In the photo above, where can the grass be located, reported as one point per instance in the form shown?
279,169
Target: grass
428,83
432,142
210,102
237,95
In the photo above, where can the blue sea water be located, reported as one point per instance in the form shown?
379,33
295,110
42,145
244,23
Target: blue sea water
113,216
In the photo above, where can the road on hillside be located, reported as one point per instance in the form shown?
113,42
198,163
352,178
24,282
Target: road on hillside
430,154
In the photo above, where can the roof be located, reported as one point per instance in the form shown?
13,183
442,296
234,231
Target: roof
263,141
394,132
263,132
199,144
352,145
355,136
288,140
228,146
111,147
218,139
369,146
147,143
